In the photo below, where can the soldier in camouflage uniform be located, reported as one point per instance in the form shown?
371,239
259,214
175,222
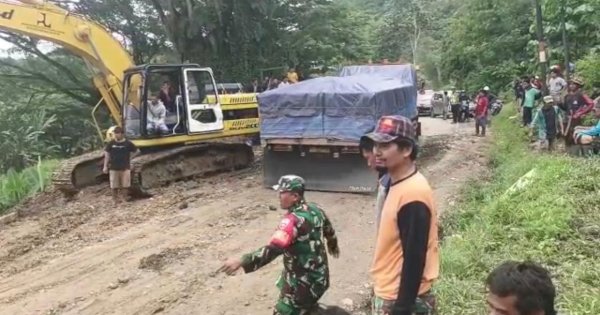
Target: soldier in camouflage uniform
299,238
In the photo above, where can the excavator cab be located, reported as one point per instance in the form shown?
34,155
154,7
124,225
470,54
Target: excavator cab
188,93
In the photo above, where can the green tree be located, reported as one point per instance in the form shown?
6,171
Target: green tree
23,129
237,38
486,44
582,24
135,21
405,22
589,68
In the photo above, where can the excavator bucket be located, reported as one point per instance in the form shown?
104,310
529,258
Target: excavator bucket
321,171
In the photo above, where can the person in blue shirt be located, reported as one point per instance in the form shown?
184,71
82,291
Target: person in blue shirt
589,135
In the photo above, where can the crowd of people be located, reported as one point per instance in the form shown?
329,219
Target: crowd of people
459,104
562,111
274,82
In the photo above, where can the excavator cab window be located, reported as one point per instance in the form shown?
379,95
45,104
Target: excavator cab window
164,84
189,95
133,95
201,100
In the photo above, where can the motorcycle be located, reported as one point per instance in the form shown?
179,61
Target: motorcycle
465,111
496,107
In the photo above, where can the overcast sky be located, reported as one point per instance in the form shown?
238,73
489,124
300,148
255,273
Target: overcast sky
43,45
4,45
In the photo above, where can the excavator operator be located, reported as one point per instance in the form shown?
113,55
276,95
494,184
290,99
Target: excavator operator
156,117
167,96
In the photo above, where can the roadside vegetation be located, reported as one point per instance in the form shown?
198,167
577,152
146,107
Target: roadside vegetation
541,207
15,186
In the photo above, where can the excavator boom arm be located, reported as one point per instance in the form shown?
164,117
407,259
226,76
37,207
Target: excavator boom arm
79,35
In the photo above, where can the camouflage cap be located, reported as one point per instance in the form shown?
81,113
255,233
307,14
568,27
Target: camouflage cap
293,183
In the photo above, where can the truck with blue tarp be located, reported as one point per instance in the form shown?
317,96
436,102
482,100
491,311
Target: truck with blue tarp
312,128
405,72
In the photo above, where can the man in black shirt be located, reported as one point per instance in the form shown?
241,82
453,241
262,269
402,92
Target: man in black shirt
463,98
167,96
117,163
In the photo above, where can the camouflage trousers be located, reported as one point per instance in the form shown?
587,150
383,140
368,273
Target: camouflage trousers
297,297
424,305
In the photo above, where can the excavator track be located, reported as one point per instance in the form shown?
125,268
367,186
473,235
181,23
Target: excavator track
79,172
161,168
157,168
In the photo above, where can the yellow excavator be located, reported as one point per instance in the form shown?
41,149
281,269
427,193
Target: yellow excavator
207,132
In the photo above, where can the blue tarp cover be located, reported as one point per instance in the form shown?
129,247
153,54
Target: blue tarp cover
402,72
336,108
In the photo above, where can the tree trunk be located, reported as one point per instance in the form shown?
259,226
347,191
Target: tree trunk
168,31
417,35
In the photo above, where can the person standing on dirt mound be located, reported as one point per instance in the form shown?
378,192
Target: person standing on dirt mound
117,163
298,238
406,261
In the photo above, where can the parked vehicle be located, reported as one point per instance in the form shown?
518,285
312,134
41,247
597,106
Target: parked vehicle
496,107
424,98
467,110
438,107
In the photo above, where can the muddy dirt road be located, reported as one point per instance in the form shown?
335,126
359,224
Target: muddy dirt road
159,256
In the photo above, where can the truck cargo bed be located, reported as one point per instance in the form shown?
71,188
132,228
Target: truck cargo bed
337,167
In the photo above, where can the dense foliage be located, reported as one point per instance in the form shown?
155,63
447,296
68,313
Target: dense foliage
486,43
463,44
15,186
491,42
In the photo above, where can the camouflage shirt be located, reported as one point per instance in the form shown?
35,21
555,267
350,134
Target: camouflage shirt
299,237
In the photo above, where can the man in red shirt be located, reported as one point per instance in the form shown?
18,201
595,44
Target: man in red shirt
577,104
481,112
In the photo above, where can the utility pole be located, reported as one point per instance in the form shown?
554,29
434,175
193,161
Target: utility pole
563,13
543,58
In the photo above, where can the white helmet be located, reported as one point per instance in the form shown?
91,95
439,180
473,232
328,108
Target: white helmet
486,88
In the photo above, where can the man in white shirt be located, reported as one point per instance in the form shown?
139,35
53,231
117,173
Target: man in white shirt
156,117
557,85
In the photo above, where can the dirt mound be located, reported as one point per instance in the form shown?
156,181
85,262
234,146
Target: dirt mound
158,261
